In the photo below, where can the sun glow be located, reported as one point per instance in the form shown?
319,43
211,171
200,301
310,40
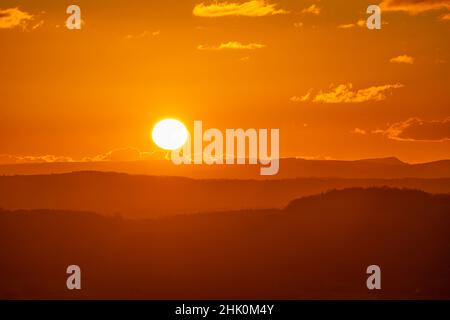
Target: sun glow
169,134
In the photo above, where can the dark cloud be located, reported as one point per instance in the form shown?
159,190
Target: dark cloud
415,129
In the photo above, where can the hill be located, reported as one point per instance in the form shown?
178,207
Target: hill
290,168
316,247
148,196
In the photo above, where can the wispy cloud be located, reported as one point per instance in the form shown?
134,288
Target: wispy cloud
143,34
344,93
346,26
446,17
303,98
312,9
359,131
120,154
416,129
359,23
414,6
38,25
126,154
253,8
14,17
232,45
11,159
402,59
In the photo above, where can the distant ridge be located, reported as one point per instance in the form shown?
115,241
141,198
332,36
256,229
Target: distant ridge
289,168
148,196
388,160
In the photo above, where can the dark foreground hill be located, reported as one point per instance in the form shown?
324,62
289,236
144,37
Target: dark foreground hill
150,196
317,247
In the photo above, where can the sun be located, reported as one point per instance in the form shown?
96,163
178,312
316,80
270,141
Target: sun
169,134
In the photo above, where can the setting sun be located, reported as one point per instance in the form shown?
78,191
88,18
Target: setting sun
169,134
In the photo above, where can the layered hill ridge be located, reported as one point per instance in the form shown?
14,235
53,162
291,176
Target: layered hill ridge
149,196
382,168
317,247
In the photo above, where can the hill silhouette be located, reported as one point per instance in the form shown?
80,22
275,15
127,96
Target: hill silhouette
383,168
316,247
150,196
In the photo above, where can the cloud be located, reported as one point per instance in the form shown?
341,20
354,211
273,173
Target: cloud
143,34
415,129
123,154
11,159
233,45
446,17
315,157
346,26
358,131
127,154
414,6
38,25
14,17
313,9
344,93
402,59
302,98
120,154
359,23
253,8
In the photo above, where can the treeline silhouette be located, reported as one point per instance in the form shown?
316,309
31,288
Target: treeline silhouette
150,196
316,247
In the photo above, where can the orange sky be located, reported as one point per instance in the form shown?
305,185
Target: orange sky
334,88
